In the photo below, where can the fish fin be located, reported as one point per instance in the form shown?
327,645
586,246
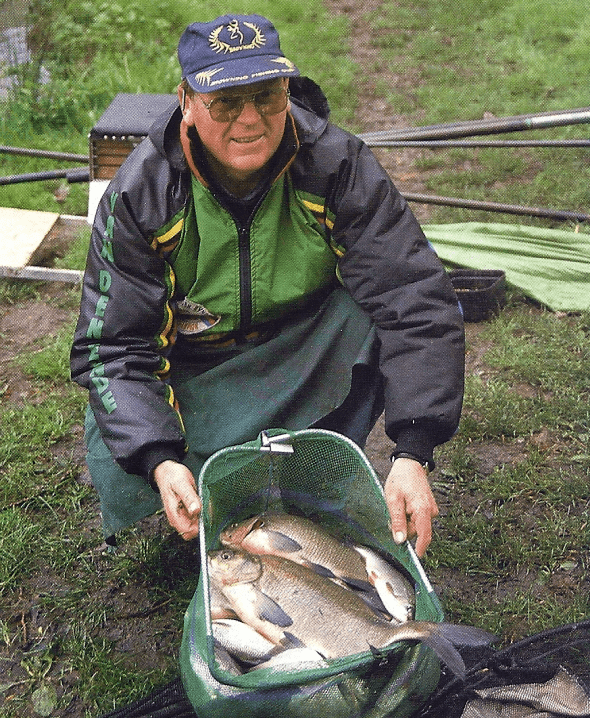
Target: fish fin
269,610
443,637
374,602
447,653
321,570
364,588
357,583
280,542
466,635
291,641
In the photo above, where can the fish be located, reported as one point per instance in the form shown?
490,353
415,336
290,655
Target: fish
219,606
241,641
309,544
394,589
226,661
284,600
293,659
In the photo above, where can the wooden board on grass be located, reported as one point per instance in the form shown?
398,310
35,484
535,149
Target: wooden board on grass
21,233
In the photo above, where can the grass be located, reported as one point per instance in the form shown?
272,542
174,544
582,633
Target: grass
506,61
518,527
510,549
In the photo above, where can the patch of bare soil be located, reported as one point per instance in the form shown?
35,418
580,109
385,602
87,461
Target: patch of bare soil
21,327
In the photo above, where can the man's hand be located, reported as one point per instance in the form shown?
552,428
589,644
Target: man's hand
411,503
179,497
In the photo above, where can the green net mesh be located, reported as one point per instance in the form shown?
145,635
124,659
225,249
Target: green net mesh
324,477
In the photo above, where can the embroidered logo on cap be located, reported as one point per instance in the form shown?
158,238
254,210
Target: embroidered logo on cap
205,77
283,61
250,39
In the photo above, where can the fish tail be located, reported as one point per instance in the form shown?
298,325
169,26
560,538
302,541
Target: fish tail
443,638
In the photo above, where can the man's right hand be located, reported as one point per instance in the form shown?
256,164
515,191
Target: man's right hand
411,504
179,496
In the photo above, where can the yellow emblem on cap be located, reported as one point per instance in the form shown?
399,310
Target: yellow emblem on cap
204,78
283,61
236,34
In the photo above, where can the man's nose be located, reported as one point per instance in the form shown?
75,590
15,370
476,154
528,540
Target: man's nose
249,112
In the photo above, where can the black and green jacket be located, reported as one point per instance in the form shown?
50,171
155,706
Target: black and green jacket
176,267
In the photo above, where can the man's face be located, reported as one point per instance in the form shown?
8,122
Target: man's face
240,147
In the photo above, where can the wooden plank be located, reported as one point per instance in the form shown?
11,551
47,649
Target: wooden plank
21,233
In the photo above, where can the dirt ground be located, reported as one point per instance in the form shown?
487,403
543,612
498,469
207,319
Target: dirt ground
147,639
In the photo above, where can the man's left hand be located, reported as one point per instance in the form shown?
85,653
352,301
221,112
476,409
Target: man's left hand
411,503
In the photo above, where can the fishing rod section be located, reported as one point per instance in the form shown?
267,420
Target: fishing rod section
81,174
496,125
470,144
71,176
48,154
543,212
453,135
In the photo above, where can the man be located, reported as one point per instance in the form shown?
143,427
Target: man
251,267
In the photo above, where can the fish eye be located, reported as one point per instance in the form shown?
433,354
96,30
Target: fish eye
226,555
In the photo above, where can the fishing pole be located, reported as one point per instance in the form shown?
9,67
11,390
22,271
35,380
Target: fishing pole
547,213
483,127
447,144
76,175
48,154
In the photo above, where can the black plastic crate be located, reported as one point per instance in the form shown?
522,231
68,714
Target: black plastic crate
482,292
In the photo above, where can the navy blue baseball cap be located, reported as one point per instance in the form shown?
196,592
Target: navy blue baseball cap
232,50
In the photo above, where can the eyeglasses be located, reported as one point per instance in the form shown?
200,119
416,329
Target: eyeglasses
227,108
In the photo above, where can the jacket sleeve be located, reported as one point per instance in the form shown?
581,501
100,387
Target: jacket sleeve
125,331
392,271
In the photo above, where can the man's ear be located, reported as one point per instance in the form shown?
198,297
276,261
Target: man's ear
182,97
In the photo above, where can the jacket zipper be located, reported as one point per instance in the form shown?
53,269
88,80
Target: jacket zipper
245,268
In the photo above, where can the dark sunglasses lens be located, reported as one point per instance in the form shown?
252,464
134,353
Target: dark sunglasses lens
267,102
225,108
270,102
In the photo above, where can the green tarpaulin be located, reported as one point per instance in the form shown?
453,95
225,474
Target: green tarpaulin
551,266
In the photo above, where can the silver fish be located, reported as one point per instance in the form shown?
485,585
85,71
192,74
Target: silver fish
309,544
241,641
293,659
394,589
284,600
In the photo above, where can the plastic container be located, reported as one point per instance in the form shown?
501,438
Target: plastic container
481,292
